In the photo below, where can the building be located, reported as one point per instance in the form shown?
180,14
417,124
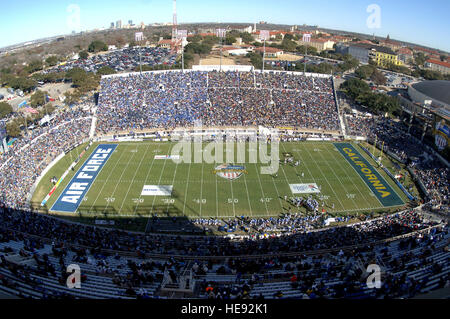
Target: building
405,55
119,24
364,52
112,25
320,44
438,92
271,52
165,43
394,45
384,56
437,65
359,51
232,51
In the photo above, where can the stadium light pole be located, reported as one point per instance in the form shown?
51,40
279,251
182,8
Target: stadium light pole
181,34
306,38
264,35
140,61
264,55
220,33
304,60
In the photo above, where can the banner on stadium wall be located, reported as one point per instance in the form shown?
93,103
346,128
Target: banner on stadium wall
157,190
304,188
441,135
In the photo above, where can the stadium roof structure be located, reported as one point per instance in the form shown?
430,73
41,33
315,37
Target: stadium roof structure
438,90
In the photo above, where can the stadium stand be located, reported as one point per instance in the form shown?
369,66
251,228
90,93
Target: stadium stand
308,261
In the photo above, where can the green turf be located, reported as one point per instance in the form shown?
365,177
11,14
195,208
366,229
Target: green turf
198,192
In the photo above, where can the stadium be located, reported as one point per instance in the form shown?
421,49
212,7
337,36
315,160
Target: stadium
146,162
106,189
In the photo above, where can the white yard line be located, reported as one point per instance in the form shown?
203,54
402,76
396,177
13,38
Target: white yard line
363,154
332,189
262,191
201,189
343,168
217,200
121,175
248,196
144,182
343,186
159,182
186,189
132,181
232,198
173,181
154,197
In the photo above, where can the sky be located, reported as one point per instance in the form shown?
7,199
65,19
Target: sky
417,21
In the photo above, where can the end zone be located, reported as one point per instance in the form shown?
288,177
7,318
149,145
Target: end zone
377,184
73,194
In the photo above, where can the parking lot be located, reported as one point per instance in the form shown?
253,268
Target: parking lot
120,60
396,80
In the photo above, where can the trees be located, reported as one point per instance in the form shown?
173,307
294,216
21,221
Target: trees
377,102
104,70
71,98
229,40
119,41
378,78
210,40
5,109
52,60
288,36
364,72
132,44
13,128
76,75
195,39
97,46
420,58
246,37
256,59
83,55
34,66
38,98
288,45
311,50
198,48
22,83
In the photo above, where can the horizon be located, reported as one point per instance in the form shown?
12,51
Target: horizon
365,17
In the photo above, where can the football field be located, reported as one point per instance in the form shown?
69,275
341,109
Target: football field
137,180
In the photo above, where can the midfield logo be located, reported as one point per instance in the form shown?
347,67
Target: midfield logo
230,172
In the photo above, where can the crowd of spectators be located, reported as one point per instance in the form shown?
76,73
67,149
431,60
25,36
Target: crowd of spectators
170,99
175,99
30,155
393,137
